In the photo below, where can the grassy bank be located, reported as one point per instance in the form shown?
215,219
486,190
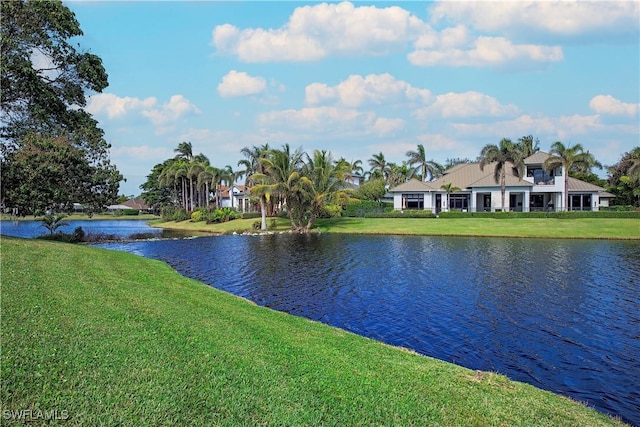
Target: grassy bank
581,228
105,337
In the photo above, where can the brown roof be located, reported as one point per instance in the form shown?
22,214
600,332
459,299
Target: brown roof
470,175
537,158
413,185
224,189
136,203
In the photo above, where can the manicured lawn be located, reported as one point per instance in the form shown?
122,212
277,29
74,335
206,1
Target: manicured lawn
115,339
588,228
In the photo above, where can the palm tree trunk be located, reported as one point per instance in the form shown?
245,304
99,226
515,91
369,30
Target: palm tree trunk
263,224
503,187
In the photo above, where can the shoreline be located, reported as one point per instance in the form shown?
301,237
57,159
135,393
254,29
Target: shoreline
583,228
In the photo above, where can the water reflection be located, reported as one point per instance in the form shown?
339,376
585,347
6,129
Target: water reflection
559,314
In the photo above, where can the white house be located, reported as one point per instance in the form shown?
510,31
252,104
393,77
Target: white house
537,190
236,197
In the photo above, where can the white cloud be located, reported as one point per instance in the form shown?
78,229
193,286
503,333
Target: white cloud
324,119
486,51
607,104
374,89
466,104
237,83
177,107
561,128
314,32
115,106
569,17
384,126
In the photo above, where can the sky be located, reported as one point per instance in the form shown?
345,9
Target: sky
359,78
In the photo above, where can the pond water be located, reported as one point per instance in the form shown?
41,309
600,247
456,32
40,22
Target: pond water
120,228
563,315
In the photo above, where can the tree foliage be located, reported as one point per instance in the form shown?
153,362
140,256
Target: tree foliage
53,152
624,178
44,78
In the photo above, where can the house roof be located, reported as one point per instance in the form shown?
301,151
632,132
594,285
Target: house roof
413,185
538,157
136,203
468,175
576,185
224,189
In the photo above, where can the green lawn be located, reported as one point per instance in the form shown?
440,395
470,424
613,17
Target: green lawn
83,217
110,338
587,228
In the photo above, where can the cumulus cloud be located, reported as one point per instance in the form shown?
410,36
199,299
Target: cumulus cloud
383,126
314,32
237,83
317,118
569,17
177,107
117,107
466,104
374,89
485,51
561,127
607,104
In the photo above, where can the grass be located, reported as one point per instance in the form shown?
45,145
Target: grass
585,228
109,338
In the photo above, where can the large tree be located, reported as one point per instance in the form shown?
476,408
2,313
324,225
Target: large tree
53,173
624,178
45,80
571,159
503,155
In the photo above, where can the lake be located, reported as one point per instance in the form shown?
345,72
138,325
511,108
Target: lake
563,315
120,228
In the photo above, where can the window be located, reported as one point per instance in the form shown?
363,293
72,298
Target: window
541,176
413,201
580,202
458,201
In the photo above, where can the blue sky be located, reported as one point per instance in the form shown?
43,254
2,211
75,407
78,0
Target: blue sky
359,78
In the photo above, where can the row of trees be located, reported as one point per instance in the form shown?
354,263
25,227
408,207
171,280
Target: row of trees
304,184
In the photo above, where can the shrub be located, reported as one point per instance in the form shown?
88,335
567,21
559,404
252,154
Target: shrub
130,212
249,215
198,215
331,211
402,214
359,208
223,215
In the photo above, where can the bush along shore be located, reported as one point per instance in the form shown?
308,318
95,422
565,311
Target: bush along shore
92,336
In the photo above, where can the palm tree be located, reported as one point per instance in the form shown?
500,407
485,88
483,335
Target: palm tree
253,166
570,159
528,146
322,182
52,222
184,150
379,166
281,177
428,168
502,155
449,188
400,174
